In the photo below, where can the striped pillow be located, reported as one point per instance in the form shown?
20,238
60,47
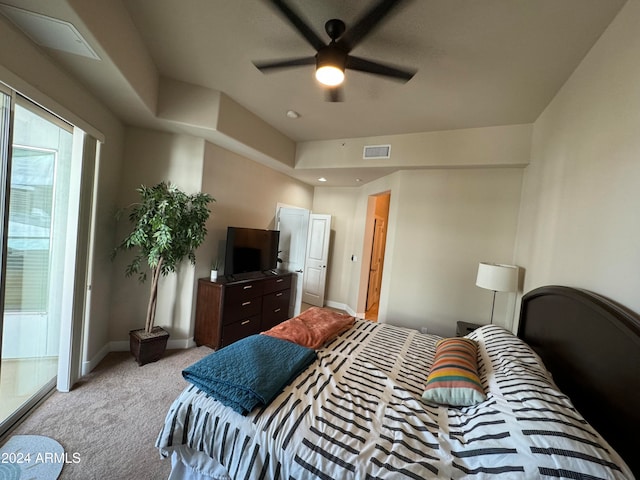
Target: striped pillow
453,378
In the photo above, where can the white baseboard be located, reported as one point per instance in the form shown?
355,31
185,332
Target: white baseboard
181,344
120,346
89,365
341,306
123,346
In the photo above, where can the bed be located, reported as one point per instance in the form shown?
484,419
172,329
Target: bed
356,412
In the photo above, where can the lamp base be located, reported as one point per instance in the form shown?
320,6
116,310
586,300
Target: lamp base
493,305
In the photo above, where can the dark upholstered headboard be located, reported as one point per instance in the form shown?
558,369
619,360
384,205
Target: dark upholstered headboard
592,347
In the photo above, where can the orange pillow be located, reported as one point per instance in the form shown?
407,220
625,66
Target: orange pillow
312,328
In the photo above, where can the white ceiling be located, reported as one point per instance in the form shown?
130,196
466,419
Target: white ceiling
479,62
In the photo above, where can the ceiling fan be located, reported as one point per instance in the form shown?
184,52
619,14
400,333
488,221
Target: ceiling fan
333,58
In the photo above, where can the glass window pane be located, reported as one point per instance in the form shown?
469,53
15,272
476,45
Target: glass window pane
35,255
29,236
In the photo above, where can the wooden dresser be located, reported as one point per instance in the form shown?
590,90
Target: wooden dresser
228,310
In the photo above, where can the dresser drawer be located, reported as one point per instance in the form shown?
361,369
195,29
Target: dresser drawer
235,310
243,328
277,283
275,308
243,291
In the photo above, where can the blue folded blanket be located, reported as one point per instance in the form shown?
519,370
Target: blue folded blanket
249,372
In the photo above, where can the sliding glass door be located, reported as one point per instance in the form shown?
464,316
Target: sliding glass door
39,219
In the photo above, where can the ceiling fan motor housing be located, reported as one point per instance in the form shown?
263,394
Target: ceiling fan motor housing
331,56
334,28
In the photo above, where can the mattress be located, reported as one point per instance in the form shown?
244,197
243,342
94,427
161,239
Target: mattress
356,413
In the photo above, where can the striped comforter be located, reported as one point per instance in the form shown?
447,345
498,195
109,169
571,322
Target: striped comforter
356,414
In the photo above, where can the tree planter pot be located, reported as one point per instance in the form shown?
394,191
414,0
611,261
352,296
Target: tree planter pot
148,347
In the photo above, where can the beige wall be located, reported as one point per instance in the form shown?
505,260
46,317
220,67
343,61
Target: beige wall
441,224
246,195
579,223
341,204
499,146
152,157
446,222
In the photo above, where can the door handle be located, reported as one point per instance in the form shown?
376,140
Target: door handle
299,271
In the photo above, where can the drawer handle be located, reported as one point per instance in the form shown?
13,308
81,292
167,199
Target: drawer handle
247,287
245,322
277,310
244,304
280,280
279,294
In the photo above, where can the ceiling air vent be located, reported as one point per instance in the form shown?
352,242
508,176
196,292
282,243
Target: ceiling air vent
377,151
49,32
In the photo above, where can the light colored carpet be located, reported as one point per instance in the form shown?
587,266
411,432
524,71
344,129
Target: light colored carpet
109,422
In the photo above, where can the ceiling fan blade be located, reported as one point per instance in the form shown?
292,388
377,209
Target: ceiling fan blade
265,66
366,23
377,68
310,36
334,94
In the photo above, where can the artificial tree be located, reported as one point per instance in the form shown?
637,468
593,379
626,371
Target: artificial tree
167,226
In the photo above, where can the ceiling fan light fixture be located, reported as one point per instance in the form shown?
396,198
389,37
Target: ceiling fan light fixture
330,62
333,59
330,75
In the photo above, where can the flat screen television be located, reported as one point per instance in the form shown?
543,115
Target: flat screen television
250,250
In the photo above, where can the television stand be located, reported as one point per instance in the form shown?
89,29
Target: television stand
241,277
236,306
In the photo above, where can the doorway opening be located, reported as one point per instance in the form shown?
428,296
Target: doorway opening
377,221
303,250
45,165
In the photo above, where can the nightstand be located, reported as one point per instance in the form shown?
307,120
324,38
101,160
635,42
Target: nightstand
464,328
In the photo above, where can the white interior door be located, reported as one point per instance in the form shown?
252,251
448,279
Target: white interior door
315,276
293,224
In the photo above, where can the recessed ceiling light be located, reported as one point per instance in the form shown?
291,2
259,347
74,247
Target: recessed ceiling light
322,179
358,180
293,114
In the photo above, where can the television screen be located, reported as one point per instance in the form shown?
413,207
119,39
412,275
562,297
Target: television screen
250,250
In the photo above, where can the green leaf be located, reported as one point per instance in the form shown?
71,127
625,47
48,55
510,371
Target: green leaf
167,223
167,226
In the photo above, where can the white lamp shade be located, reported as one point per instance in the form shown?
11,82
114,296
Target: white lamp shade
497,277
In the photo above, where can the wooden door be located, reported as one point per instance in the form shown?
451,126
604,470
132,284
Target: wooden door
377,261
